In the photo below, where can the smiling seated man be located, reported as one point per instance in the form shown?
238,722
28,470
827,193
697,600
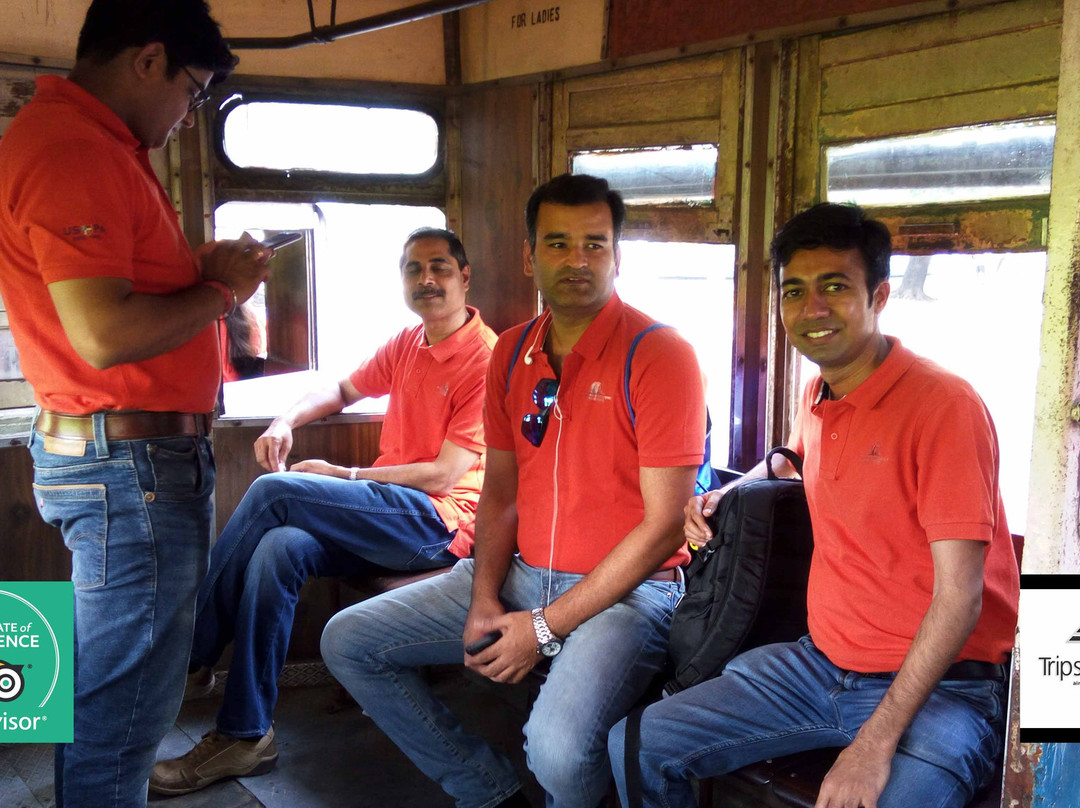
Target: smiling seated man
578,531
913,587
412,510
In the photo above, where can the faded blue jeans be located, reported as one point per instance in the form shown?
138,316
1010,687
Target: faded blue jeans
375,647
780,699
136,517
288,527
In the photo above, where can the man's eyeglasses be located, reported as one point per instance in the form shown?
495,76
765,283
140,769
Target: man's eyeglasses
534,425
201,95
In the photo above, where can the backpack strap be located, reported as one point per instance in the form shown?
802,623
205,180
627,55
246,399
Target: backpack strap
792,458
517,351
631,758
626,369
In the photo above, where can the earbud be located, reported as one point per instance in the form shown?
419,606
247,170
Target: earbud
528,359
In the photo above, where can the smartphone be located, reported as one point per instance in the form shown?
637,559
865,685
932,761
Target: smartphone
474,648
279,240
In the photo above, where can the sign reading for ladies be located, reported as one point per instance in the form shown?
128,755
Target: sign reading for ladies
36,662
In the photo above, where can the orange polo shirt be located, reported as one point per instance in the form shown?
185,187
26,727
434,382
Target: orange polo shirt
436,394
581,487
78,199
907,458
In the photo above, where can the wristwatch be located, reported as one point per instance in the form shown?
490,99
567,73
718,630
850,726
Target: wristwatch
547,644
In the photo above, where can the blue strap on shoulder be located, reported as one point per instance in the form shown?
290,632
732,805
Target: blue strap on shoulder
517,351
626,369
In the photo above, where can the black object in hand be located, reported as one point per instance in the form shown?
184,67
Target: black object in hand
474,648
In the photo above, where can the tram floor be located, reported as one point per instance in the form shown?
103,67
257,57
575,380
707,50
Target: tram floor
330,753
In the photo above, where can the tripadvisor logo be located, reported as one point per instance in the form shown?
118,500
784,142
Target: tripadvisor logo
36,682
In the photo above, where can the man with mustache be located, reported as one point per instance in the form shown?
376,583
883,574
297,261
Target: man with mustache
412,510
913,589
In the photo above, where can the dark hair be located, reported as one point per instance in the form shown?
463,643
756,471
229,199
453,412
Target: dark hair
240,331
457,249
190,35
574,189
838,227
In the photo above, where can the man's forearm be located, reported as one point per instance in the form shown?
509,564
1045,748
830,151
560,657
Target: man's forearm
944,629
107,331
327,399
635,558
496,543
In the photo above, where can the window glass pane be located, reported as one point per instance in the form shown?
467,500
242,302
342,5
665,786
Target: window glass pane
690,287
995,161
359,302
655,176
330,137
979,316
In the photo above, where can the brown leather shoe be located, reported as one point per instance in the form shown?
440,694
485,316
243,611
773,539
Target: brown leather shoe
214,758
199,684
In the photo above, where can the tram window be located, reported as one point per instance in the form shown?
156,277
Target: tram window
657,175
330,137
691,287
991,161
355,286
979,316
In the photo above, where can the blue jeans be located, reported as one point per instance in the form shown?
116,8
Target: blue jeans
136,517
374,648
288,527
786,698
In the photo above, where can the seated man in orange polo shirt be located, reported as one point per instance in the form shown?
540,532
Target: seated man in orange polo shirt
913,589
579,530
412,510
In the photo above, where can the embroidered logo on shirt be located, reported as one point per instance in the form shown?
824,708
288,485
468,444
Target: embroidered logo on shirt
77,232
444,389
596,393
874,456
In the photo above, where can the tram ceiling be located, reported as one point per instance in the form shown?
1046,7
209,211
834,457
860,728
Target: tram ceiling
324,34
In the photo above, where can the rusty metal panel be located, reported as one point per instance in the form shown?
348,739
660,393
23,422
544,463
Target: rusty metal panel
686,98
929,32
1008,60
1013,225
1005,104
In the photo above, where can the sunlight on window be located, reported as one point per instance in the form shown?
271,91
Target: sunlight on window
330,137
359,302
656,175
979,316
690,287
991,161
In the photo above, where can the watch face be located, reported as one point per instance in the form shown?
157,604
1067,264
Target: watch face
551,648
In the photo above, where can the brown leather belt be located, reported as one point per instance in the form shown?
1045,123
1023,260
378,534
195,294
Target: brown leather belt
125,425
665,575
964,669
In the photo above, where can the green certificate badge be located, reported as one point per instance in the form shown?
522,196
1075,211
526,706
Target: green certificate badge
37,690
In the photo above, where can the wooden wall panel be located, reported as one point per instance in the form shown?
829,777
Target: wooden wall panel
30,550
642,26
497,176
345,444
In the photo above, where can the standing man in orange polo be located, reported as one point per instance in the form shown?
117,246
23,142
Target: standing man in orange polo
578,530
412,510
115,322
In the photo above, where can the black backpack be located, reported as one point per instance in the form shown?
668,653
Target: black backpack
747,586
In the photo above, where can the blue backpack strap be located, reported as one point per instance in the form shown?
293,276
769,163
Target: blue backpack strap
517,351
706,479
626,369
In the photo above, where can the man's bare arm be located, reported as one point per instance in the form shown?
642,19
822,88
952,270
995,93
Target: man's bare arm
695,528
437,477
862,769
108,324
272,446
639,554
496,543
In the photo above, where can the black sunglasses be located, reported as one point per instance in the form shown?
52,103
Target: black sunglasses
201,94
534,425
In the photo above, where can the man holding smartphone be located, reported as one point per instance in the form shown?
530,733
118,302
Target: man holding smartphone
578,536
413,510
114,319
